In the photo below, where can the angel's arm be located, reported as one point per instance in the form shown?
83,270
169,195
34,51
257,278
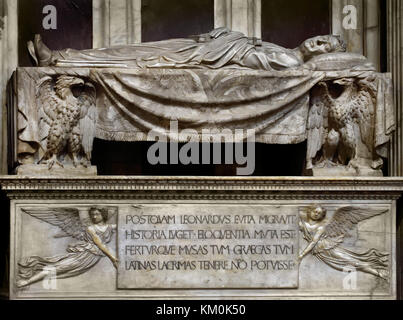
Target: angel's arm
97,240
313,243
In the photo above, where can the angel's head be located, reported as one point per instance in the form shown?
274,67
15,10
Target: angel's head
317,213
98,215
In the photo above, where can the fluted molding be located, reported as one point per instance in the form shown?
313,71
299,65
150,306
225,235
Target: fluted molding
353,38
8,63
395,34
116,22
372,32
239,15
365,39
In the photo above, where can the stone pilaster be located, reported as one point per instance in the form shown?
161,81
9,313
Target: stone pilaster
8,63
372,38
116,22
239,15
395,66
365,38
353,37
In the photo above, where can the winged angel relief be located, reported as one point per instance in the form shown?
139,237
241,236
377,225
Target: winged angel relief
67,116
325,237
93,232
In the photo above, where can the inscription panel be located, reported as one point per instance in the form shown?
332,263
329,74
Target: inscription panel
208,246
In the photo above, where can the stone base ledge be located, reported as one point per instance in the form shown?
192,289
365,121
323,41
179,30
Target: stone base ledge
254,212
36,170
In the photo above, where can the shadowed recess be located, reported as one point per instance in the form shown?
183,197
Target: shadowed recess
289,22
163,19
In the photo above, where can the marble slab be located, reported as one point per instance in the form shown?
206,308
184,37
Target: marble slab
89,235
209,246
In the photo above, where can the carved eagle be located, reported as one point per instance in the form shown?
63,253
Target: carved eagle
66,119
339,125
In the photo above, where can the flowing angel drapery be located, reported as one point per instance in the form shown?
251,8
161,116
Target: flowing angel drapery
80,258
330,251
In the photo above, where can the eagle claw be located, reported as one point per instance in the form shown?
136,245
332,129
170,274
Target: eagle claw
326,163
51,162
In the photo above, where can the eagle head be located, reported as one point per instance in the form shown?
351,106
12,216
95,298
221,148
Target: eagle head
64,83
344,81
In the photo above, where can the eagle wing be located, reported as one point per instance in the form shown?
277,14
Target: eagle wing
317,121
345,219
49,105
88,117
67,219
366,113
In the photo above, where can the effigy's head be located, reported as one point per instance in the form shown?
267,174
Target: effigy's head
317,213
321,45
98,215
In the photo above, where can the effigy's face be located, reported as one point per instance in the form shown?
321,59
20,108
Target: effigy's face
319,45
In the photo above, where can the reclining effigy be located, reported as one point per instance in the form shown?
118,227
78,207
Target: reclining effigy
207,83
78,235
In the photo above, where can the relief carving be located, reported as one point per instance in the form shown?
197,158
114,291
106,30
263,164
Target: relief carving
316,92
1,27
341,127
326,236
93,229
67,115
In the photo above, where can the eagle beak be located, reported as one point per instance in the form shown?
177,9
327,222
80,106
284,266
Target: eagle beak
78,82
339,82
343,82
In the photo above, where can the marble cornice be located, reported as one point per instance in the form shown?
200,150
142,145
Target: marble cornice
231,188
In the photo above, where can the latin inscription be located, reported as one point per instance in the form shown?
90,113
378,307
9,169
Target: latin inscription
208,246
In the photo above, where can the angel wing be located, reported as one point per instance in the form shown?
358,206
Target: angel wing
112,212
67,219
48,104
88,117
346,219
317,123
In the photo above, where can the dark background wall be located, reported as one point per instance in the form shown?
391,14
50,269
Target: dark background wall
167,19
74,25
289,22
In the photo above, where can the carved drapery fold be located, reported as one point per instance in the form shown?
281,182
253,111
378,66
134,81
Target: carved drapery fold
277,105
